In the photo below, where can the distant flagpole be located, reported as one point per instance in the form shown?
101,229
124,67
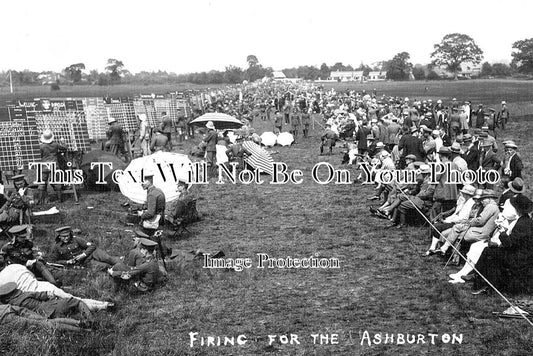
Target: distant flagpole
10,82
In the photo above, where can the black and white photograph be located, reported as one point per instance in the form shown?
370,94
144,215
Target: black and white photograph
230,177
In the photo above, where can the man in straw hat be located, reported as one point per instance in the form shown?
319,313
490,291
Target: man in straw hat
210,140
512,164
509,265
50,153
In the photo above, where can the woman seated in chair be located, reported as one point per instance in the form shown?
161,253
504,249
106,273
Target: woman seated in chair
16,202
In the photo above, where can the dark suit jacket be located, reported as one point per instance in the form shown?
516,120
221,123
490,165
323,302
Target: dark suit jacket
518,246
472,158
412,145
516,167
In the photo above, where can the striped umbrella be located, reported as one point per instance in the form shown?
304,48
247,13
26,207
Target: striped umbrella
259,158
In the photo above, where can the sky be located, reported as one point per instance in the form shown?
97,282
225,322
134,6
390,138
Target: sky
202,35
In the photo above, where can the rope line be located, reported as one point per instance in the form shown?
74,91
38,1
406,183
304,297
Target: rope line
467,261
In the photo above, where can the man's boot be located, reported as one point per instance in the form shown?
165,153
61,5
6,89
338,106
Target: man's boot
46,274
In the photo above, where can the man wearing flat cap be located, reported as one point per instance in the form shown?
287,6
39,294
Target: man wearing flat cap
70,250
22,251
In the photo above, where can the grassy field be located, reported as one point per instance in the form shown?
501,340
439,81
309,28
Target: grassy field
383,285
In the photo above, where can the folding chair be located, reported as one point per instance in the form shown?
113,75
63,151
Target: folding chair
179,223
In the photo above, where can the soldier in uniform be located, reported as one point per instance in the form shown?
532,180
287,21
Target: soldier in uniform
72,250
16,201
44,303
166,128
141,265
22,251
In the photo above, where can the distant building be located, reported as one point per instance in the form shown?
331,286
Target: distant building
347,76
279,75
377,75
468,70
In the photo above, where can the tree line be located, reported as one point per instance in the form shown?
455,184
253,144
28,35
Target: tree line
450,54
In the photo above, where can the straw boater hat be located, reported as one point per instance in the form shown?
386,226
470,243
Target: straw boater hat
47,136
111,120
425,169
511,144
210,125
468,189
412,157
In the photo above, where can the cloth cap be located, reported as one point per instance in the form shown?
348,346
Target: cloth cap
503,103
517,185
18,229
111,120
7,288
380,145
210,125
483,134
467,138
411,157
468,189
435,132
370,137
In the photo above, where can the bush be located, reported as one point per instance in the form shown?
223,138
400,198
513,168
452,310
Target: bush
54,87
432,75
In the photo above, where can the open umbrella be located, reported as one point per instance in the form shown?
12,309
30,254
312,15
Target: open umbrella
258,157
91,175
220,120
285,139
168,169
268,139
